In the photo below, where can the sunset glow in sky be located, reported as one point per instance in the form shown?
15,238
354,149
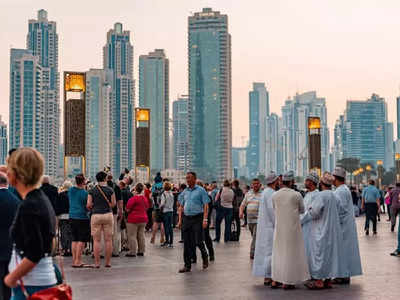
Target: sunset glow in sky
343,49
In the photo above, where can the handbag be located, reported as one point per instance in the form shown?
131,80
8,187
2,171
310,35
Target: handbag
60,292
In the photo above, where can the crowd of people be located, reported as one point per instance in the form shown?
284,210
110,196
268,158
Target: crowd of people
297,236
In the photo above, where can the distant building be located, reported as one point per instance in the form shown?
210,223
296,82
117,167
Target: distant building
174,176
27,106
239,162
210,100
42,41
180,133
118,57
258,113
154,94
3,142
363,132
99,103
274,148
295,114
398,116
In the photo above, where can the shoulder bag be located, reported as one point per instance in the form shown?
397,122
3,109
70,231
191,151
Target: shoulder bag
104,196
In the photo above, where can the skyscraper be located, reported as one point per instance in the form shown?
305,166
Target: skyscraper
3,142
180,133
118,56
210,102
154,94
258,113
99,100
273,149
42,41
365,132
27,106
398,116
295,115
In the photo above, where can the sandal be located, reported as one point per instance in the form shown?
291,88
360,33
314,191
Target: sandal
341,281
314,285
328,284
108,266
267,281
288,287
276,285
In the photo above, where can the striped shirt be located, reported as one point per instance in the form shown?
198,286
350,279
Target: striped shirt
252,202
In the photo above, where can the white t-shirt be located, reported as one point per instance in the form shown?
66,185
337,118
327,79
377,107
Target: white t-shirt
167,201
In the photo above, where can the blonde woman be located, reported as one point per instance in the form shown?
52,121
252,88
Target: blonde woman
33,230
167,207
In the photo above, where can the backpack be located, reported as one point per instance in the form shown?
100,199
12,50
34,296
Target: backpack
156,195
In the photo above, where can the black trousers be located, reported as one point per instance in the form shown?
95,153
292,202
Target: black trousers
5,292
236,219
371,210
192,229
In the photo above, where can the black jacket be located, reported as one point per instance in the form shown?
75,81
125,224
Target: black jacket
8,208
62,204
34,226
51,192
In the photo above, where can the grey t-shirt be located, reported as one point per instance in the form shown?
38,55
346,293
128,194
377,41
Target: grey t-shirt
100,206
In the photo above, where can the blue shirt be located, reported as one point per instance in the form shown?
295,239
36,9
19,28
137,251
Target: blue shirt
193,200
370,194
77,203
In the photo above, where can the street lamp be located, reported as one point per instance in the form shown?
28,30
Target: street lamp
379,163
314,144
397,157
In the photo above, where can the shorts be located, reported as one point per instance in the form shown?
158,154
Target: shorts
157,216
80,230
102,223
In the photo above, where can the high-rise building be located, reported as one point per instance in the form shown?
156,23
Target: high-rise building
27,106
239,162
273,150
154,94
398,116
99,100
258,113
363,132
118,56
180,133
295,114
3,142
210,102
42,41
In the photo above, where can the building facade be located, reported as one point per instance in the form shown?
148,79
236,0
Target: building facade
210,102
3,142
154,94
27,107
42,41
258,114
118,57
363,132
180,133
295,114
99,100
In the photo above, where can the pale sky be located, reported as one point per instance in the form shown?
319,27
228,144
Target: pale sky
343,49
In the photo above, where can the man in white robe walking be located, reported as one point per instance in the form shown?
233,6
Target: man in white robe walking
324,237
289,262
265,231
350,250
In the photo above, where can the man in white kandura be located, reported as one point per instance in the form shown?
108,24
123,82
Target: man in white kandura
265,231
350,250
324,237
289,262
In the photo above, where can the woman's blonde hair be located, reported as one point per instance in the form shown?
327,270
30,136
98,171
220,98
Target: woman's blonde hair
167,186
66,185
27,164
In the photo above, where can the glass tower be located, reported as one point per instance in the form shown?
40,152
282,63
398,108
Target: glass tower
118,57
3,142
154,94
99,97
210,103
180,133
42,41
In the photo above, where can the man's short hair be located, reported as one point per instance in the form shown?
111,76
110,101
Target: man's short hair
371,182
80,179
192,173
3,179
101,176
235,183
11,151
341,179
45,179
255,179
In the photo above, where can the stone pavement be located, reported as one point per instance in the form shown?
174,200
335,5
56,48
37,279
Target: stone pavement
155,276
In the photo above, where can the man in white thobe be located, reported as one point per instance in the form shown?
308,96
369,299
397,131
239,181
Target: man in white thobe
265,231
324,237
350,250
289,262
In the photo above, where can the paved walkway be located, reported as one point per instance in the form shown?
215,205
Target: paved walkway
155,276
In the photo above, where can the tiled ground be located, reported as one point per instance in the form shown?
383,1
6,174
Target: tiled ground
155,276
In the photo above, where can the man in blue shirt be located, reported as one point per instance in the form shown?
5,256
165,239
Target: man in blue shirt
370,202
194,215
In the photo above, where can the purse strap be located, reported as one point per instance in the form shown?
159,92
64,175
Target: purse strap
104,196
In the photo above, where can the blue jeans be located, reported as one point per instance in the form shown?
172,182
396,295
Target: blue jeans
169,231
17,293
226,214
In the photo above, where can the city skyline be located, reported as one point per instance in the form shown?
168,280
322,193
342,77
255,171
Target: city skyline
355,72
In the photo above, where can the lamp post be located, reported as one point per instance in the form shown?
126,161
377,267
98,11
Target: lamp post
379,163
397,157
368,168
314,144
